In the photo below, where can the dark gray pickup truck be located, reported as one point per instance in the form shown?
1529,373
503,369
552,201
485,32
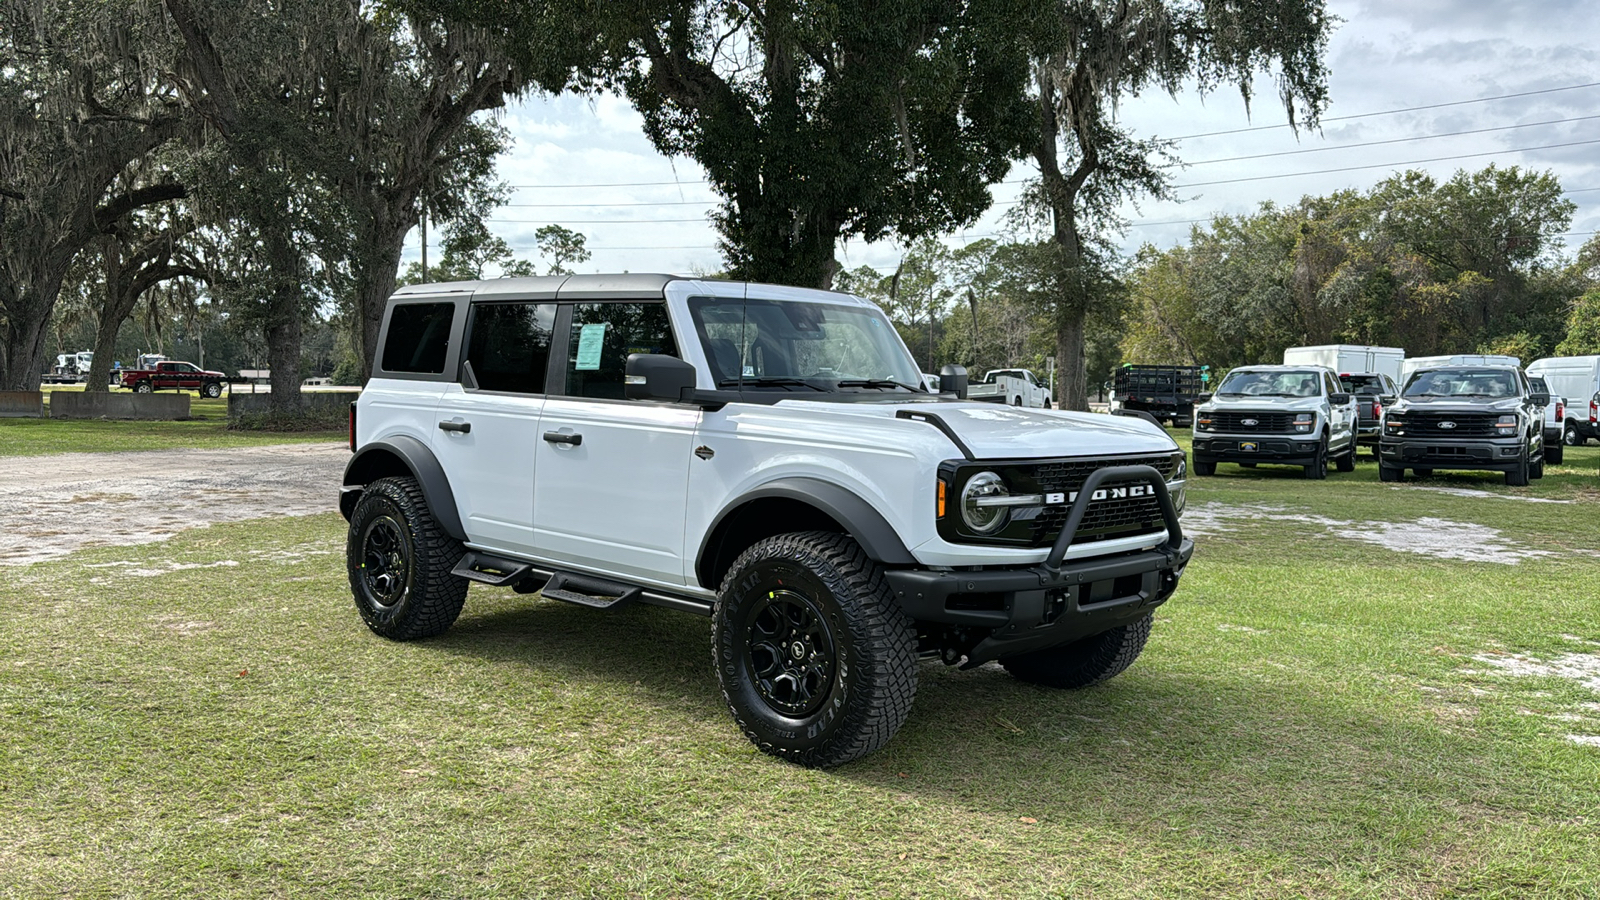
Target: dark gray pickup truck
1465,417
1374,392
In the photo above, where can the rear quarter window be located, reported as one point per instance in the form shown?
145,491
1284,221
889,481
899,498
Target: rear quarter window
418,338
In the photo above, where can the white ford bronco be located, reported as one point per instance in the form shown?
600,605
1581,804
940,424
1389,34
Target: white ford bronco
765,456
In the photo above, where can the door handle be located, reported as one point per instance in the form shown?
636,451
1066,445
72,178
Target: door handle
462,427
557,437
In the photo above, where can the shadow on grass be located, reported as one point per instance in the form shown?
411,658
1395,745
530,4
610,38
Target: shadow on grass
1226,757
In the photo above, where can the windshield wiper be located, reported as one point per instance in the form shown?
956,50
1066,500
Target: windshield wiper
874,383
769,381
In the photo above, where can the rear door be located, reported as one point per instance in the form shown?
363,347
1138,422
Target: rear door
486,425
611,476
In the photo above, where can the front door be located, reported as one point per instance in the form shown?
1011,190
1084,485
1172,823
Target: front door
611,477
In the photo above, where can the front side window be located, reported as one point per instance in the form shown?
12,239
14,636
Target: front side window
803,347
419,338
509,347
603,335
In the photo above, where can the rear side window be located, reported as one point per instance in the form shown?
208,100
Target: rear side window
510,346
419,338
603,335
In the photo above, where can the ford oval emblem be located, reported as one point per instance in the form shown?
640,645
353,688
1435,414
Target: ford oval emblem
1248,422
1447,424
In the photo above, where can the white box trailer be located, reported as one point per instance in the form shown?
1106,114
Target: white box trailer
1577,378
1459,359
1348,358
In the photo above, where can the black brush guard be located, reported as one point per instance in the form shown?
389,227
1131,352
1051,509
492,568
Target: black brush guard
1057,602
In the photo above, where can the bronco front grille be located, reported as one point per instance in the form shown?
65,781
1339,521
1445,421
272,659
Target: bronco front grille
1105,519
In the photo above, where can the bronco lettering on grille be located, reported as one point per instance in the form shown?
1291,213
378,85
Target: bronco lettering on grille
1128,492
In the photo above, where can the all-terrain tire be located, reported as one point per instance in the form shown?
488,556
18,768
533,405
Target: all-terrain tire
1083,663
399,563
1391,473
816,659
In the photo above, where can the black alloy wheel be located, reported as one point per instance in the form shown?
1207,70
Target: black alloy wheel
386,571
792,656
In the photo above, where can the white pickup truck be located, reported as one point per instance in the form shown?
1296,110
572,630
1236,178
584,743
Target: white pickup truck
763,456
1013,387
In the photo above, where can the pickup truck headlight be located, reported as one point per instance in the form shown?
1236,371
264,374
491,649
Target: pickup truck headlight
1393,423
1304,421
989,516
1203,420
1505,426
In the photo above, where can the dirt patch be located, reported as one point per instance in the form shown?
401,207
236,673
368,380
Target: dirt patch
1482,495
54,505
1428,536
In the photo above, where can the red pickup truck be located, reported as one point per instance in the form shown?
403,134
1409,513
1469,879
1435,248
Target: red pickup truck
176,375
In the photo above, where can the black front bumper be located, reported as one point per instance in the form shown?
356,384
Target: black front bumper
1290,449
1032,608
1502,455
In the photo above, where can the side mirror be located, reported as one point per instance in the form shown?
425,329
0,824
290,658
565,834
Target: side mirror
1202,398
652,376
953,380
1338,399
1539,398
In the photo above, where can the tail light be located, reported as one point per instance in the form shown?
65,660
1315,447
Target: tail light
1561,410
1594,412
1377,410
352,426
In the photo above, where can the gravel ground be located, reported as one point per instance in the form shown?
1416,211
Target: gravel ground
53,505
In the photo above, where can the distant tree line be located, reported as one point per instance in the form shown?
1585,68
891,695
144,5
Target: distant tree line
1472,264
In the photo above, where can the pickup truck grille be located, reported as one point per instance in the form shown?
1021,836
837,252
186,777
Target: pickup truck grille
1462,425
1105,518
1252,422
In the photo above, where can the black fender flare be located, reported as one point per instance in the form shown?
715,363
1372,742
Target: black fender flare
858,517
370,463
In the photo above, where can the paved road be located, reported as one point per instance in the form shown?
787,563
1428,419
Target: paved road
53,505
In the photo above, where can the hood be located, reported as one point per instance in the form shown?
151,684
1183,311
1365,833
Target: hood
1455,405
996,431
1276,404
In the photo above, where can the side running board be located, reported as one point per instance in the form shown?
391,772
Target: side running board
492,570
586,590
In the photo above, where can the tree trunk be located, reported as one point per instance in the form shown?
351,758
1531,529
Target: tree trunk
27,311
283,322
1071,361
375,281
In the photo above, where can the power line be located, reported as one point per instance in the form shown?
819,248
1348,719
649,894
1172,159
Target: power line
1392,112
1387,165
1420,137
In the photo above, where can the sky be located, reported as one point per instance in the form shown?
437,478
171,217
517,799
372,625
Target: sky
1434,85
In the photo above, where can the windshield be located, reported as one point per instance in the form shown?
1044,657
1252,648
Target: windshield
1462,383
802,347
1272,384
1362,384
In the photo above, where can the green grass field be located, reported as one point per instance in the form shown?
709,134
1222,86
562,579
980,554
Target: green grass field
1328,708
206,430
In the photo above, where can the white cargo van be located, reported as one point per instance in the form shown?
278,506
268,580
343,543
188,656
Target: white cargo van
1460,359
1348,358
1576,378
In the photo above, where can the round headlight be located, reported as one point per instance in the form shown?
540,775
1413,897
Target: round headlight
984,519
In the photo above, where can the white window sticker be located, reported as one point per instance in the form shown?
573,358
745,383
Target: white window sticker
590,341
